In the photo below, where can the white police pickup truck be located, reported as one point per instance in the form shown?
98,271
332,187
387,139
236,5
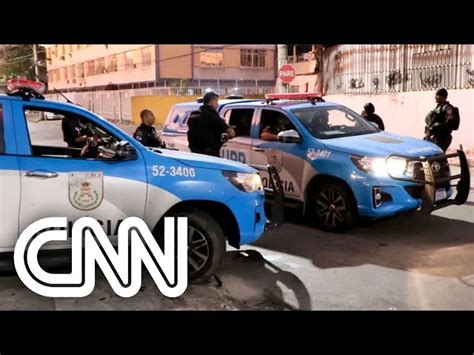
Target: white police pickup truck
41,176
332,161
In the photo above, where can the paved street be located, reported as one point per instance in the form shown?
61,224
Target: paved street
405,262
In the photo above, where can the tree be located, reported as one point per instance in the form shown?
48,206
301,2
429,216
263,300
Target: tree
19,62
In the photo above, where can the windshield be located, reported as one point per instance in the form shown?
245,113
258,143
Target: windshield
333,122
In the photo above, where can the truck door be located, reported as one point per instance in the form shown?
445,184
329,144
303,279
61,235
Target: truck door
238,148
9,180
56,181
286,157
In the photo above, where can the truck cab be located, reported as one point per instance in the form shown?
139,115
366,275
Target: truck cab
332,161
113,176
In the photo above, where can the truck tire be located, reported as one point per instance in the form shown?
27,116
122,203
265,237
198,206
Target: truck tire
333,208
206,243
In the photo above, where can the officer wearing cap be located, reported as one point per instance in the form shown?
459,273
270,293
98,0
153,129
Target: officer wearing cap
439,121
207,130
146,133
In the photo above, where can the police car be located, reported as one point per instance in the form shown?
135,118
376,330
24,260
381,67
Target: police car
40,176
332,162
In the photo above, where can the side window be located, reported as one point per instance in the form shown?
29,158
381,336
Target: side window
272,122
179,119
65,134
2,138
241,120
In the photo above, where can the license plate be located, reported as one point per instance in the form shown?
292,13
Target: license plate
440,194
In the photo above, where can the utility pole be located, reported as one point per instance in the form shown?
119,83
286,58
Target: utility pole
36,64
282,57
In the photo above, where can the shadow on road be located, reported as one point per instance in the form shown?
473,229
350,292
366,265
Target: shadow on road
429,244
255,283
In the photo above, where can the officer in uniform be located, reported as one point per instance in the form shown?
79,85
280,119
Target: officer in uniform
370,115
74,134
439,122
207,130
146,133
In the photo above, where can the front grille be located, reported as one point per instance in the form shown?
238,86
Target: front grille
416,168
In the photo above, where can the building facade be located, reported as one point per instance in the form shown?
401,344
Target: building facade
97,67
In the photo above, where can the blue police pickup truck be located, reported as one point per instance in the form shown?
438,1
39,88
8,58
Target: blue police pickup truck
332,161
112,176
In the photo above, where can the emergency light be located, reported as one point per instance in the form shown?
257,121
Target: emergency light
14,85
295,96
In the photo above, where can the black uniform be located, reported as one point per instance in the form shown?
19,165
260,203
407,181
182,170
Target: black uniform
73,129
439,125
373,117
147,136
205,131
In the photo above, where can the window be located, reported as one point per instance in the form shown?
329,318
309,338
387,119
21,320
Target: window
273,122
241,120
211,58
57,75
90,67
179,118
78,46
2,140
252,58
112,64
64,74
146,56
66,134
80,70
333,122
51,76
73,74
100,66
128,60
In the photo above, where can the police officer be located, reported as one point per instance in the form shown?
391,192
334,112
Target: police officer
370,115
74,134
207,130
146,133
270,133
440,121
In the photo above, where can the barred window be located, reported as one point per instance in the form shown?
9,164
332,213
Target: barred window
211,58
252,58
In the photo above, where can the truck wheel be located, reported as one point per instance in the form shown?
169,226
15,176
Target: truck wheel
333,208
206,244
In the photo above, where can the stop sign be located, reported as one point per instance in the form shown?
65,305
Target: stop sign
287,73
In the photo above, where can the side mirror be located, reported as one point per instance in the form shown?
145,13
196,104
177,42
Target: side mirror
125,151
122,150
290,136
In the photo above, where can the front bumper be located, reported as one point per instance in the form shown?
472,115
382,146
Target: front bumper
277,196
429,181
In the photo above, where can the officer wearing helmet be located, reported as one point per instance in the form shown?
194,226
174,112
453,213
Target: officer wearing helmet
441,121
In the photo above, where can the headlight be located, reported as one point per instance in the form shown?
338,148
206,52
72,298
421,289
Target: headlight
370,164
394,166
249,182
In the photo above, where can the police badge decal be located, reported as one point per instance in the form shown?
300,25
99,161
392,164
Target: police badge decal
86,190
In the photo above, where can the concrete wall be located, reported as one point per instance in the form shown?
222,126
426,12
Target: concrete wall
175,61
160,105
404,113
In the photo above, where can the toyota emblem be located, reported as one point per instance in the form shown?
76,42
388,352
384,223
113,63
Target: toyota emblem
436,167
